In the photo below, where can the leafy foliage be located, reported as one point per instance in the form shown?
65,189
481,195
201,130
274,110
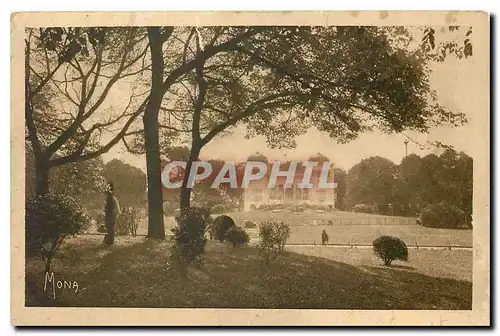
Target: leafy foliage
298,207
82,180
189,235
129,182
273,237
342,80
376,185
50,219
80,41
128,222
218,208
372,181
439,52
364,208
249,224
237,236
390,248
445,216
221,226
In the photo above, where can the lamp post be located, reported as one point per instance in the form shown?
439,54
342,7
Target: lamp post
406,147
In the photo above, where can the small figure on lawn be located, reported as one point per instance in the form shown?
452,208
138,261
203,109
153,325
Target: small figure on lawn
111,213
324,238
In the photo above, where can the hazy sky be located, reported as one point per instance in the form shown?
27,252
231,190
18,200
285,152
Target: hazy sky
455,82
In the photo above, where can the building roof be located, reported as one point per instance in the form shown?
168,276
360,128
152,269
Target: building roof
318,157
258,157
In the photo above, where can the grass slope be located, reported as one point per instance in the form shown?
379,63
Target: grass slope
346,228
135,273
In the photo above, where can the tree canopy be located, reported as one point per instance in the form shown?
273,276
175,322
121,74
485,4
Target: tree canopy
129,182
413,184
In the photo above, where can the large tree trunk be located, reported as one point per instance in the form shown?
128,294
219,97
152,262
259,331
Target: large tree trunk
42,177
185,198
156,228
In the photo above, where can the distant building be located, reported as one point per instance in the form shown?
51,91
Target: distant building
258,192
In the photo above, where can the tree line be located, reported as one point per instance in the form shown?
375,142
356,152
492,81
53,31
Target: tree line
406,189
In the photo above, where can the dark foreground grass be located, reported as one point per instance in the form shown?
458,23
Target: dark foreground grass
136,273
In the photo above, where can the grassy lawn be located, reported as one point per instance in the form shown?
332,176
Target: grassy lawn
412,234
346,228
136,273
456,264
313,217
354,228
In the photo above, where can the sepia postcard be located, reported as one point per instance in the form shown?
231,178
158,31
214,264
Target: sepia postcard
250,168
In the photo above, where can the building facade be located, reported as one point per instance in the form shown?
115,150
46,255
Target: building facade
258,193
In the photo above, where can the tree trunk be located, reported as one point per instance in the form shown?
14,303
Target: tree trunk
185,197
42,177
156,228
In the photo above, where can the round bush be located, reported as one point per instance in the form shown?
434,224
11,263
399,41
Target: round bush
430,218
189,235
274,234
50,218
222,224
297,208
218,208
249,224
390,248
363,208
237,236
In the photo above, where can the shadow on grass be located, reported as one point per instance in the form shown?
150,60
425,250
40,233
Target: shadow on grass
138,274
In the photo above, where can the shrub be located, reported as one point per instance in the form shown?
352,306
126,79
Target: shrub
218,208
363,208
189,235
249,224
298,208
222,224
318,207
49,220
127,223
134,224
237,236
282,235
271,207
273,237
122,225
390,248
445,216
